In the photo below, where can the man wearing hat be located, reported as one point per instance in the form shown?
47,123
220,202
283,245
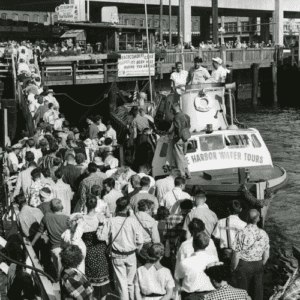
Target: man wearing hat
219,73
89,48
12,159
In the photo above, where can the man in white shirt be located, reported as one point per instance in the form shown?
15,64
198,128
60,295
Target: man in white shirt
233,224
59,122
110,160
179,77
191,269
31,147
12,159
51,115
111,133
51,98
166,184
144,170
186,249
175,195
203,213
112,195
23,67
219,73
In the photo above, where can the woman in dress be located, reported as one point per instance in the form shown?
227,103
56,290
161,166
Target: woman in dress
72,236
96,264
153,281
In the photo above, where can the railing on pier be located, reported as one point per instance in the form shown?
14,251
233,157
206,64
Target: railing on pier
46,290
79,70
237,58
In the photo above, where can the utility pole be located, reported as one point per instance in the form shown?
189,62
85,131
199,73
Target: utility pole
215,24
170,23
160,21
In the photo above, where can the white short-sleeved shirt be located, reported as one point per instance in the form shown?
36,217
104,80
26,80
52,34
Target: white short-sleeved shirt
219,75
12,157
154,281
179,78
235,225
171,197
191,270
198,75
101,127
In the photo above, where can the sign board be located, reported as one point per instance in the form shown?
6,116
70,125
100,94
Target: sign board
67,12
109,14
136,64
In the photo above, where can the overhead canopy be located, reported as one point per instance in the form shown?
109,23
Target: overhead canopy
78,34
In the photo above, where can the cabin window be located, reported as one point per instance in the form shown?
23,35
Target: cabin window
26,18
164,150
191,146
255,141
132,41
237,141
210,143
15,17
36,18
133,22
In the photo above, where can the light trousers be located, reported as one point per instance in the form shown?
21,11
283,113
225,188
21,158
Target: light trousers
56,260
124,273
179,156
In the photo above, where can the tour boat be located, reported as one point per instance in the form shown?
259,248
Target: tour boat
223,159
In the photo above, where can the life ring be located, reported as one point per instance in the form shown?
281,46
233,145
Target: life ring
200,103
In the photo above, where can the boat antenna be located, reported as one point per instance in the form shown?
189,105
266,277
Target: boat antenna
148,51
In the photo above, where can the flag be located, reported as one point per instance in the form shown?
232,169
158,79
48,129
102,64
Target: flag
136,92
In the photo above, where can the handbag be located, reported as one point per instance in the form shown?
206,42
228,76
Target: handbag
111,240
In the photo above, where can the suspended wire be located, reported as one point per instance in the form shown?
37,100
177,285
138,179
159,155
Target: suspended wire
85,105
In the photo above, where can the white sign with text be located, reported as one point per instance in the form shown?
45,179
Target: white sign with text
136,64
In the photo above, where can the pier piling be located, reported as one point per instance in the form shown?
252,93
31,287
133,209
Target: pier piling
274,80
255,82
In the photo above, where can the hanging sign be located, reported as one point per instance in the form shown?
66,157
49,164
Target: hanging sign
67,12
136,64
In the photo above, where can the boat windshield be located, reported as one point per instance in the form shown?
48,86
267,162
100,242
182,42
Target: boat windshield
237,141
213,142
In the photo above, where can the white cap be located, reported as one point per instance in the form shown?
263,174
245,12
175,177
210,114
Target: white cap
218,60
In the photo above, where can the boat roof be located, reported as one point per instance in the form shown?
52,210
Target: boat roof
226,131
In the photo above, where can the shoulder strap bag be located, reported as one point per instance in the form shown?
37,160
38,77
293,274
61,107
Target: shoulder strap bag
111,240
227,252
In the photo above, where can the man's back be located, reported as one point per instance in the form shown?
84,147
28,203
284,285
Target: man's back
24,181
70,174
111,199
203,213
30,219
142,195
180,122
56,224
163,186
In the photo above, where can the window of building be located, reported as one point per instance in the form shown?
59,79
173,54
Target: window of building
133,22
141,22
245,26
26,18
45,18
55,19
36,18
164,24
132,41
156,23
126,22
15,17
231,27
149,23
4,16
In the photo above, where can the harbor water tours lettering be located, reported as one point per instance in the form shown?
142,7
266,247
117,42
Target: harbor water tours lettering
226,155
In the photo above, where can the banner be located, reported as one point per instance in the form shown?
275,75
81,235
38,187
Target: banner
136,64
67,12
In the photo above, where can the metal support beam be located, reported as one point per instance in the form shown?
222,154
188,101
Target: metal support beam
215,25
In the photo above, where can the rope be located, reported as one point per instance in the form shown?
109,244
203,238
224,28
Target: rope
85,105
254,201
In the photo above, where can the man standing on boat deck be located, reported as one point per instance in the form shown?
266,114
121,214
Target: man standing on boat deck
251,251
179,77
180,126
219,73
197,74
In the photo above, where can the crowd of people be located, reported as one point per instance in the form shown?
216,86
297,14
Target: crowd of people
101,226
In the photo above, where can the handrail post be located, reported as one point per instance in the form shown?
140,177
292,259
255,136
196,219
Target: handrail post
244,54
261,53
200,52
74,72
105,71
43,73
